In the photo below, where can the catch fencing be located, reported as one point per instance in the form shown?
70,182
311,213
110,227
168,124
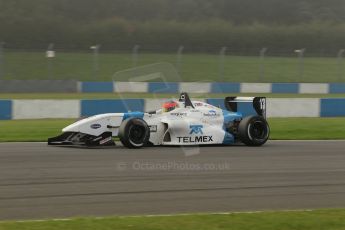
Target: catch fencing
219,64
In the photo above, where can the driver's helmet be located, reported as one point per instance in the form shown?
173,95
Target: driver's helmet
169,106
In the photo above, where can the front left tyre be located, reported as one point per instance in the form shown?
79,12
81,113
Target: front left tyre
134,133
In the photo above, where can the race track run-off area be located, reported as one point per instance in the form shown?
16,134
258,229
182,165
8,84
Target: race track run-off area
39,181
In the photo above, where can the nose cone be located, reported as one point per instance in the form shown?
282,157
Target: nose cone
95,123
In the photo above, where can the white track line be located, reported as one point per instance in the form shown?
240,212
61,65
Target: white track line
159,215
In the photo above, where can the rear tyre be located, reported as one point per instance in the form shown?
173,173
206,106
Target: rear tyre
253,131
134,133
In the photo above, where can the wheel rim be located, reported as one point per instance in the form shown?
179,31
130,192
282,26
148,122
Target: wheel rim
137,134
258,130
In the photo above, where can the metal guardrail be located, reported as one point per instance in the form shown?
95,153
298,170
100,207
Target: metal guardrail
70,86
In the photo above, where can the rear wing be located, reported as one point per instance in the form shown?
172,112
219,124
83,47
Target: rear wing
247,105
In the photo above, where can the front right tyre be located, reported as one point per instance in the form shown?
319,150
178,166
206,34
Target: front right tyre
253,131
134,133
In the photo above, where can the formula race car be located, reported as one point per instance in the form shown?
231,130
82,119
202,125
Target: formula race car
178,122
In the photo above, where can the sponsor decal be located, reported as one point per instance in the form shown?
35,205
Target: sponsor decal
153,128
209,106
198,104
178,114
197,139
196,129
211,113
95,126
212,122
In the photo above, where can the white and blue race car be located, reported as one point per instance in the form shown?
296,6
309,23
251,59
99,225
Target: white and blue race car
178,122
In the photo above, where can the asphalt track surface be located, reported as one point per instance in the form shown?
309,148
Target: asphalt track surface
39,181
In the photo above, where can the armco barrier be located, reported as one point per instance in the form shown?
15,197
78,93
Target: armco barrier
332,107
5,110
293,107
93,107
217,87
163,87
337,88
226,87
285,88
131,87
276,107
97,87
39,109
51,86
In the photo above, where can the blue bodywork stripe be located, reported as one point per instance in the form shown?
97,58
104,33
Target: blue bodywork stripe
133,114
229,117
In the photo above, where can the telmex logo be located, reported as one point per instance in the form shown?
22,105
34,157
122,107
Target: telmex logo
95,126
196,129
196,139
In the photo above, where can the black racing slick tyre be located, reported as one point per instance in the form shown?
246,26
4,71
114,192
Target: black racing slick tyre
134,133
253,131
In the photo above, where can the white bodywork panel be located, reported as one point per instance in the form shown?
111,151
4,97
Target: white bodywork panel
98,124
202,124
188,126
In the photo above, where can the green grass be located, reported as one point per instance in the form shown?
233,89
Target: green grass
307,128
31,130
281,129
282,220
12,96
194,67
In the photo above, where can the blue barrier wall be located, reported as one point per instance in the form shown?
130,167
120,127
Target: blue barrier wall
337,88
285,88
332,107
8,86
5,110
93,107
225,87
97,87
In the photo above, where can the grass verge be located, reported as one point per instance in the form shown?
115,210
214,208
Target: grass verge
283,220
281,129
